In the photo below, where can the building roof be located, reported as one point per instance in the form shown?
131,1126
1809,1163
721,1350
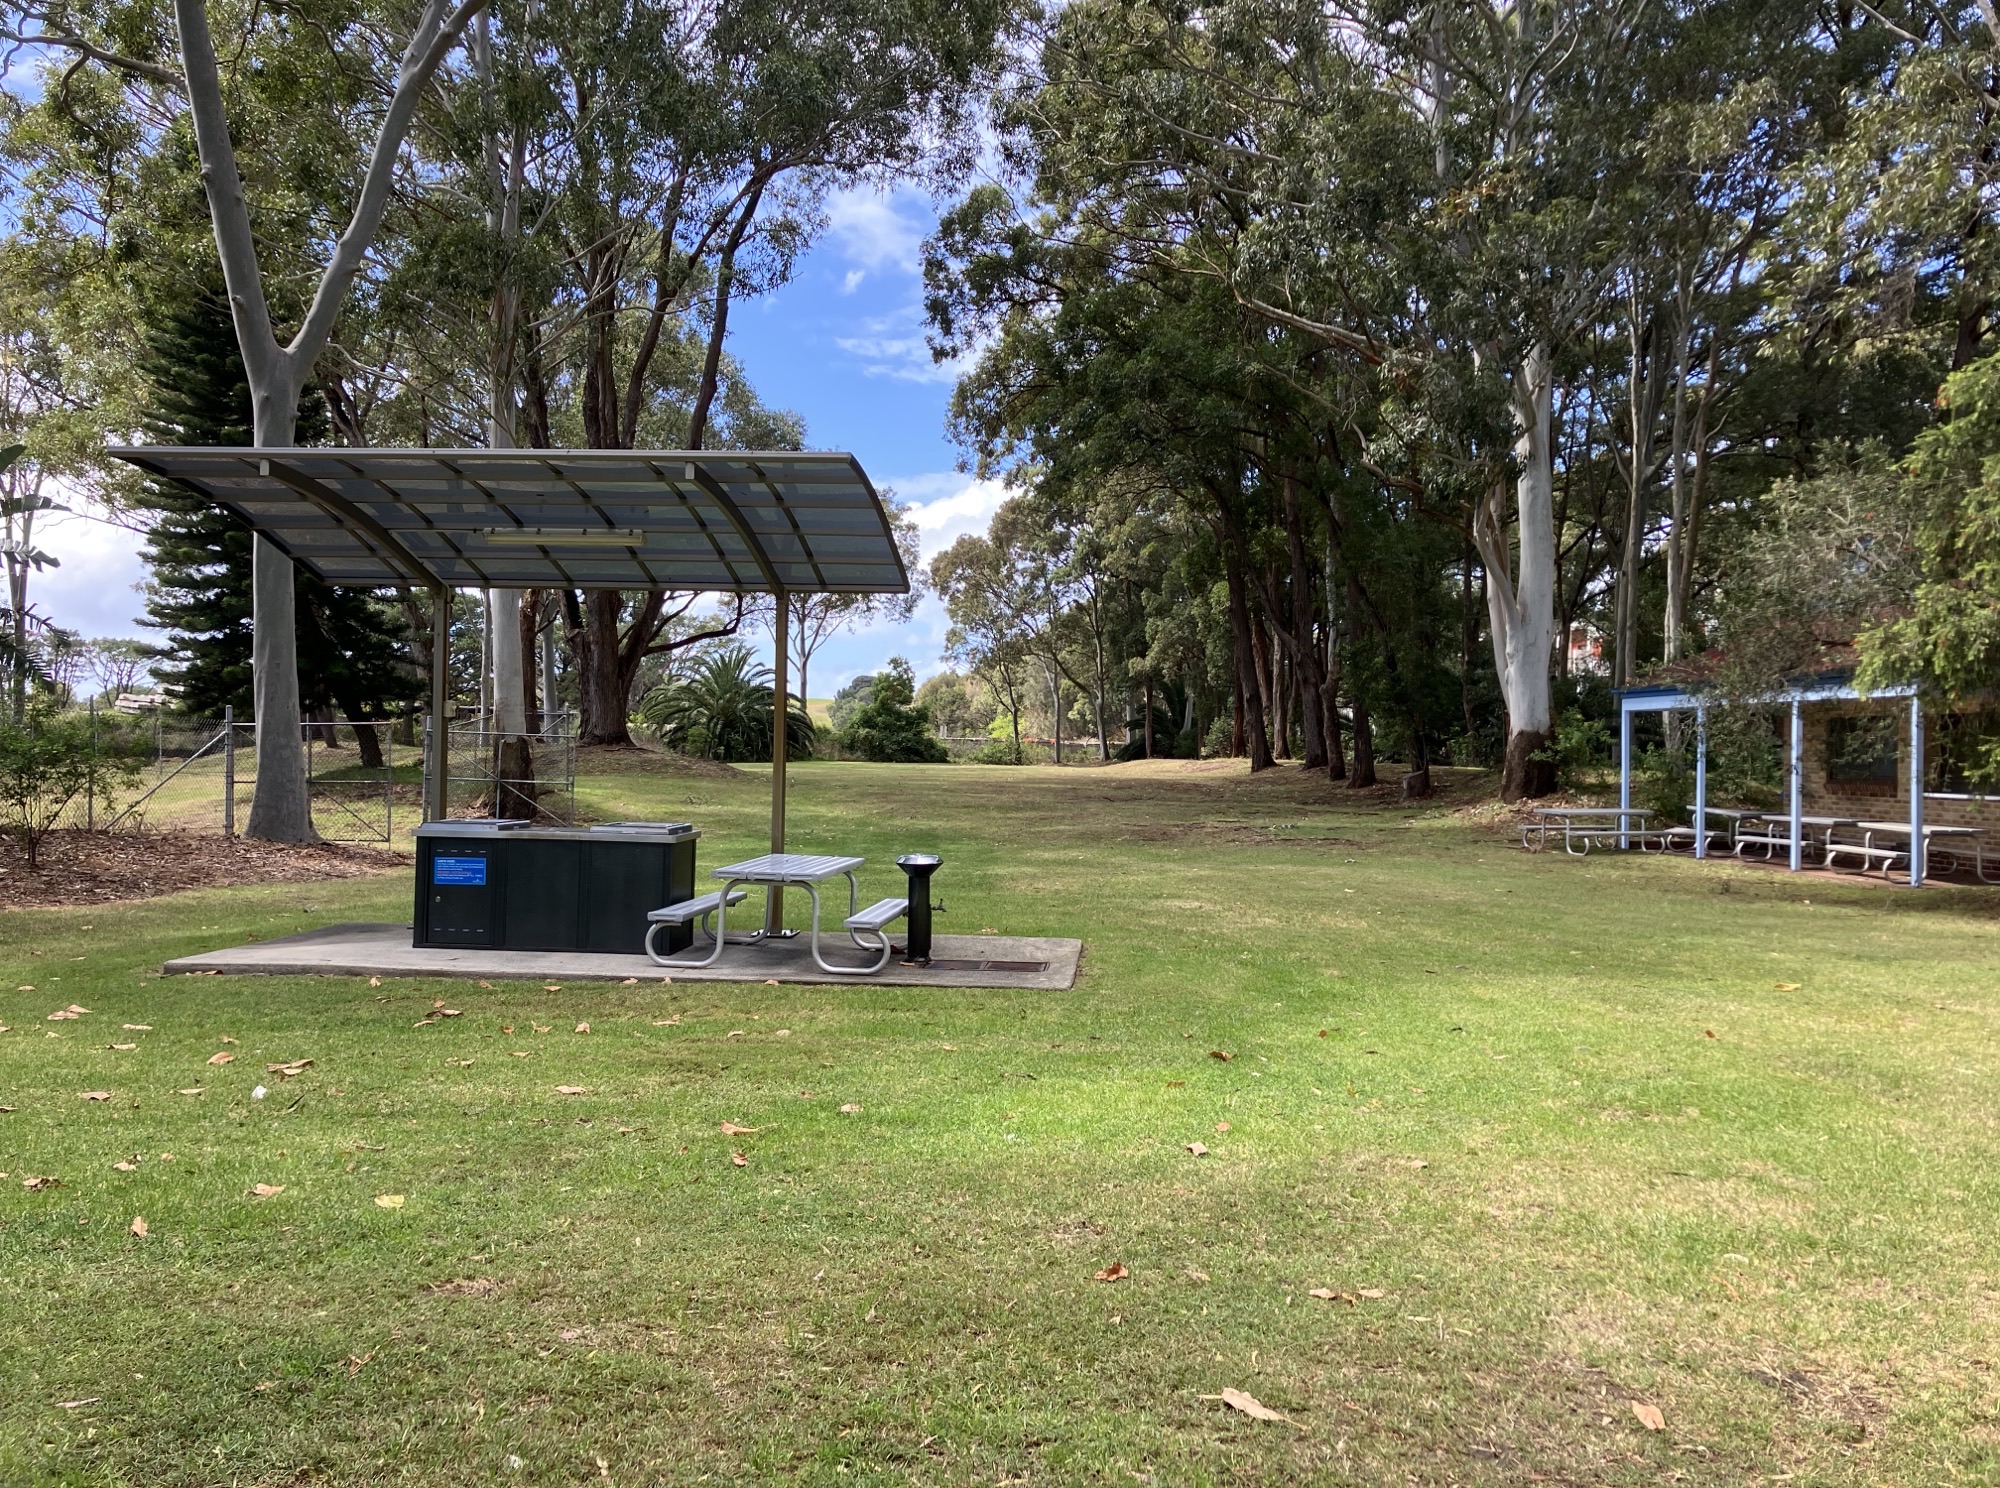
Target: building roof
731,521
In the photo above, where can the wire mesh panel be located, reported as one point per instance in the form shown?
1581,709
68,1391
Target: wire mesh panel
362,778
484,777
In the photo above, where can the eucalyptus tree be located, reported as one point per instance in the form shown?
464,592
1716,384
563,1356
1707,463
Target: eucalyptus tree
169,65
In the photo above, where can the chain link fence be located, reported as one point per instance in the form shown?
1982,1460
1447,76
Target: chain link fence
366,779
484,779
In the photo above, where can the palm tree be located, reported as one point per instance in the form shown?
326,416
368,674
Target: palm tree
721,709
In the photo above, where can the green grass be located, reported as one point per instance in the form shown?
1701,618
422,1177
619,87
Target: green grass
1560,1113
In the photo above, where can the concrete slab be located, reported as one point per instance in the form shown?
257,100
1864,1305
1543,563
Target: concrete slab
385,950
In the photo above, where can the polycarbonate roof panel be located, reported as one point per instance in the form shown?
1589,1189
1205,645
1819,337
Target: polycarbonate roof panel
576,519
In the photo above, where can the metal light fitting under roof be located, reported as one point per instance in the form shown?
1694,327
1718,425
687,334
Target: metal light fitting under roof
725,520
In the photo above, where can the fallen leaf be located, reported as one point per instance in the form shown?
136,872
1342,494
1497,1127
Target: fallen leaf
988,930
518,1053
192,1090
583,1028
1251,1406
731,1129
572,1090
76,1010
75,1404
487,985
139,1226
1414,1162
374,981
122,1048
267,1190
1194,1275
667,1022
459,1063
355,1363
1328,1294
1322,1033
542,1028
738,1160
97,1095
552,986
1649,1416
734,1033
1709,1032
1114,1272
36,1182
770,981
450,1012
59,1015
139,1027
125,1166
388,1201
629,982
1218,1054
1372,1293
1222,1126
221,1057
288,1068
1198,1149
850,1109
1782,987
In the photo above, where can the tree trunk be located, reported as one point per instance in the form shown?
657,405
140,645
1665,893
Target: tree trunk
1149,717
1248,684
1362,776
281,803
600,694
1520,601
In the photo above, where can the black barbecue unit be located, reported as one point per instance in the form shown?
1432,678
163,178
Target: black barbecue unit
510,886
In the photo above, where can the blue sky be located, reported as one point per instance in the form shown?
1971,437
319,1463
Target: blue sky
842,344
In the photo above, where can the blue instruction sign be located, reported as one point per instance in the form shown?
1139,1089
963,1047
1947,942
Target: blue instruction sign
459,872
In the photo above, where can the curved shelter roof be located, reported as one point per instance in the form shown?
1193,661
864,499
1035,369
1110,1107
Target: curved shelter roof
724,520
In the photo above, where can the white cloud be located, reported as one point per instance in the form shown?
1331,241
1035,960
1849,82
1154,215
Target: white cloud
893,345
94,592
877,230
852,281
946,505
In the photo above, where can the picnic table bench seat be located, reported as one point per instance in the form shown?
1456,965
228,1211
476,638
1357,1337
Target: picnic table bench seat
701,907
873,921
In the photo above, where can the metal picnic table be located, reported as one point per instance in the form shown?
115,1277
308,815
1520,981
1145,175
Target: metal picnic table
775,871
1868,851
1590,826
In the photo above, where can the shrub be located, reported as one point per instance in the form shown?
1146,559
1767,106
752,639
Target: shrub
51,759
722,710
889,728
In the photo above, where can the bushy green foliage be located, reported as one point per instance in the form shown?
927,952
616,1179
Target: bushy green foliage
50,760
721,709
891,728
1580,745
850,700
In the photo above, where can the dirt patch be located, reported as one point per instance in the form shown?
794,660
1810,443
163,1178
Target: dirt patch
640,759
102,867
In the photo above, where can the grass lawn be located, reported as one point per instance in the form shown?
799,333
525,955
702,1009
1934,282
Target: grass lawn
1561,1136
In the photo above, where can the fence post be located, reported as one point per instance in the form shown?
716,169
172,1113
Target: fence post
90,780
228,770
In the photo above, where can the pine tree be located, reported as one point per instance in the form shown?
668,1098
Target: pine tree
353,651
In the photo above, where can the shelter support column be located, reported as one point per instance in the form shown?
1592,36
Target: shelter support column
1919,849
1796,785
436,759
774,912
1701,780
1624,767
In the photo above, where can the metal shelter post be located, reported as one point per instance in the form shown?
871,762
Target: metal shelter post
437,746
1624,766
1919,849
1701,780
774,911
1796,784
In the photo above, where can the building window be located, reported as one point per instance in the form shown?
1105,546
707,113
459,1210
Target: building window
1861,753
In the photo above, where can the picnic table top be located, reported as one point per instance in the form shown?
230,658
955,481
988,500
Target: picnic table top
1612,811
1931,829
787,868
